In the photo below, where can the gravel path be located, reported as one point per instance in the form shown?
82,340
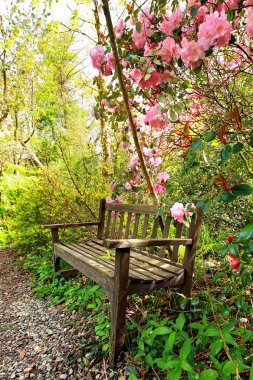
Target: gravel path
38,341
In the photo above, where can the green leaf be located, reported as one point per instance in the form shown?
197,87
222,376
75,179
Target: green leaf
226,196
242,190
138,26
180,321
150,69
147,77
160,331
135,189
170,342
132,376
226,152
194,11
230,15
215,347
173,116
198,69
229,339
207,205
178,107
212,331
237,147
157,62
200,204
175,374
208,374
185,349
251,372
228,369
196,144
246,233
195,325
209,136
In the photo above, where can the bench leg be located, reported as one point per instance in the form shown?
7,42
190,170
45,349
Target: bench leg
119,303
57,266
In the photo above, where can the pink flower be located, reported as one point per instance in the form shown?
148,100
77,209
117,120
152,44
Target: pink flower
191,53
109,200
155,161
146,19
97,56
163,177
215,31
155,118
249,18
134,162
169,49
235,263
113,186
153,81
177,212
128,186
171,22
148,152
119,28
159,188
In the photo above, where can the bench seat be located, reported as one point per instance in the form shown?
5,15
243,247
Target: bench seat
145,270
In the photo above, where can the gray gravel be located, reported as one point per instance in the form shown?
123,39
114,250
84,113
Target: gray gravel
38,341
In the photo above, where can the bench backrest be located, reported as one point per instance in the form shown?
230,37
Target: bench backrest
123,221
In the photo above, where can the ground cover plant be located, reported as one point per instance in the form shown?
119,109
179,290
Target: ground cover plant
171,123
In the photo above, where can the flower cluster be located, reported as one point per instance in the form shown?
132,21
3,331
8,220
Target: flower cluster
179,212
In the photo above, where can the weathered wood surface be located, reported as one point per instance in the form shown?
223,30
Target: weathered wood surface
130,243
73,225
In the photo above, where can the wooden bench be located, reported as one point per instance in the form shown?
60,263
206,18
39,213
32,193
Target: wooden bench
136,251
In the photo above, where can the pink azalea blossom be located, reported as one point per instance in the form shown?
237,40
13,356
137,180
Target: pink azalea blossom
134,162
97,56
191,53
119,28
163,177
159,188
128,186
153,81
141,38
177,212
113,186
169,49
155,161
148,152
193,3
171,22
155,118
249,18
215,31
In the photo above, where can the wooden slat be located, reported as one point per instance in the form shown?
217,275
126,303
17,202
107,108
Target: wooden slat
108,221
151,257
128,224
132,243
165,234
141,209
73,225
174,256
154,234
136,271
121,223
136,225
145,226
153,267
86,267
114,222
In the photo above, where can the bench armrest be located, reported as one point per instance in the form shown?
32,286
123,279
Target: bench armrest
135,243
66,225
